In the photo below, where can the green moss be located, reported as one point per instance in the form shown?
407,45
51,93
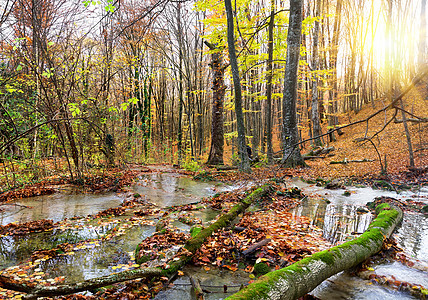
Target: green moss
425,209
347,193
375,234
382,207
261,268
142,259
195,230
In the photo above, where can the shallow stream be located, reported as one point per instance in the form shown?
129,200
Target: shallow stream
339,216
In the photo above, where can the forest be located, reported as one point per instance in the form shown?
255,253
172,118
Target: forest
278,135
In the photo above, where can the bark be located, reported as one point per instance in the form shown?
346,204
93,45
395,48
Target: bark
217,131
315,116
199,294
408,137
256,246
422,53
245,162
269,76
290,136
332,107
302,277
49,291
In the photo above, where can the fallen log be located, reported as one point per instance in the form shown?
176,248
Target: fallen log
303,276
48,291
194,243
199,294
345,161
256,246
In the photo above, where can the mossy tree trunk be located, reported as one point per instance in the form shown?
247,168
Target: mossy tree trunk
48,291
302,277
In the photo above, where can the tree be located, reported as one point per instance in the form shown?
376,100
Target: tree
290,133
245,162
315,116
269,76
217,133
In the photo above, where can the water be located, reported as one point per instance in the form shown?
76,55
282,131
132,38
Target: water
339,216
94,255
212,280
58,206
171,189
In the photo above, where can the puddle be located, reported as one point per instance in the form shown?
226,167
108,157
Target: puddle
170,189
58,206
339,217
403,273
212,281
99,260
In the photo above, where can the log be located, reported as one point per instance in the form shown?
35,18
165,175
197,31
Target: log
413,120
48,291
197,289
194,243
256,246
303,276
345,161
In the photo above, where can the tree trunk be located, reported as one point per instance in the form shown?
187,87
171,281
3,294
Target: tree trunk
245,162
217,131
290,136
48,291
408,137
269,85
422,51
303,276
315,116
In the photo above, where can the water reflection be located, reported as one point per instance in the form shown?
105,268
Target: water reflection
169,189
340,217
412,236
58,206
345,286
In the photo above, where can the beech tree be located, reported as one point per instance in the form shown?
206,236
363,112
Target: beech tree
217,133
290,133
245,163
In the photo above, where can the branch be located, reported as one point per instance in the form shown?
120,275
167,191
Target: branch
47,291
20,136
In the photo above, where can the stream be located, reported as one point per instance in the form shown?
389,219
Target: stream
340,217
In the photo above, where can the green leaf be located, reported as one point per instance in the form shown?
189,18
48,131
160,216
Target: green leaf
124,106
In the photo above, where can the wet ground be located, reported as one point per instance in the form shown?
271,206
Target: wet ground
103,246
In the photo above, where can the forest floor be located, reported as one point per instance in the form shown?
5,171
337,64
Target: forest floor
290,238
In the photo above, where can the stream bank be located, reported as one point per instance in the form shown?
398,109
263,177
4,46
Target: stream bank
336,214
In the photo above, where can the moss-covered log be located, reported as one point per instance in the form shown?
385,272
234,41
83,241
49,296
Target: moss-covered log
194,243
302,277
48,291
